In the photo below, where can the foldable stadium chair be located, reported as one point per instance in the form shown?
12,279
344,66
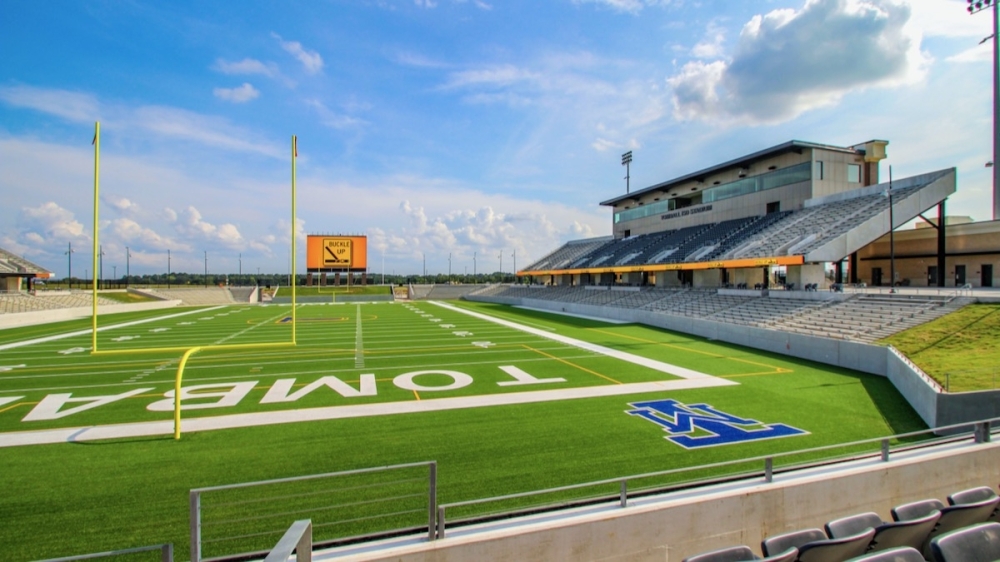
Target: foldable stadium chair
814,546
741,554
977,495
978,543
952,517
902,554
888,535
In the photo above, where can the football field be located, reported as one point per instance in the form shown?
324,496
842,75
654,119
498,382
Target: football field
505,400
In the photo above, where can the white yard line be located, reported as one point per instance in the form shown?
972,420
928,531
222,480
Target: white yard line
147,429
103,328
628,357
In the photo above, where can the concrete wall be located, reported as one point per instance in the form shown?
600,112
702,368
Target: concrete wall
672,527
20,319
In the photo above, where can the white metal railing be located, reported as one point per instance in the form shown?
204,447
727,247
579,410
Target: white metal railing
244,513
297,538
916,369
980,431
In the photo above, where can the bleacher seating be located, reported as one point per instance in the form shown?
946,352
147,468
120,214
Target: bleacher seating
194,296
775,234
446,292
888,535
952,517
944,534
26,302
976,543
568,253
856,317
742,554
902,554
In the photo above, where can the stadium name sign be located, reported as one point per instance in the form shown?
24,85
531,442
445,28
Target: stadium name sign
686,212
230,394
700,425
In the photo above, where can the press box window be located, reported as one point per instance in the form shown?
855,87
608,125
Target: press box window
854,173
818,170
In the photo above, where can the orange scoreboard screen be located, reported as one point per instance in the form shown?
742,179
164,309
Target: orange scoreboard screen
337,252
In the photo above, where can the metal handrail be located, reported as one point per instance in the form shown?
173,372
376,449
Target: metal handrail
981,432
196,493
297,538
167,553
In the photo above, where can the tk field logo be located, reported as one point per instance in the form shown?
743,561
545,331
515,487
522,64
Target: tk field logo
693,426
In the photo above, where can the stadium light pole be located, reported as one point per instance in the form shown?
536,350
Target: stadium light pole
168,269
501,265
974,7
473,265
69,266
100,278
128,258
626,161
449,267
241,270
206,269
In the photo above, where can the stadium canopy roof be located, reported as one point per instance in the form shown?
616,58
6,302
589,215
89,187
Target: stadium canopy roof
13,265
790,146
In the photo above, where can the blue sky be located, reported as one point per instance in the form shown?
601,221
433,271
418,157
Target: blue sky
442,127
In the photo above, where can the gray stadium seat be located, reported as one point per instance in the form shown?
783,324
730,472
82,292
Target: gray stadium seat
902,554
976,495
731,554
814,546
978,543
888,535
742,554
952,517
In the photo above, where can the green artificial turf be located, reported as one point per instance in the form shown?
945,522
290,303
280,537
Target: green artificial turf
961,350
93,496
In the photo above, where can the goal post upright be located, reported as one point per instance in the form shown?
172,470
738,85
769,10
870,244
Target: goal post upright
295,155
97,177
188,351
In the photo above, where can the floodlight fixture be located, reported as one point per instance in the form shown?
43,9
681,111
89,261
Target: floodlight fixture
626,160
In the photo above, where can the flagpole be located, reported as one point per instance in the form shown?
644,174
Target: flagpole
97,177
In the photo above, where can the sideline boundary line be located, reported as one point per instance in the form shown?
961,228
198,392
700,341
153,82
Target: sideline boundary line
593,347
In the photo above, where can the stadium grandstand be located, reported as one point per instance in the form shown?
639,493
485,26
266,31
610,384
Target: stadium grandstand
14,270
783,215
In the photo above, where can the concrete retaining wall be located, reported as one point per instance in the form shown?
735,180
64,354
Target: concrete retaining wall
19,319
675,526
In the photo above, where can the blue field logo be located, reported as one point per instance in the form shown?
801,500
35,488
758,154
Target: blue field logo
700,425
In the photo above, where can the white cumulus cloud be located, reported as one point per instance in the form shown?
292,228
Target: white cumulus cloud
239,94
790,61
311,60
